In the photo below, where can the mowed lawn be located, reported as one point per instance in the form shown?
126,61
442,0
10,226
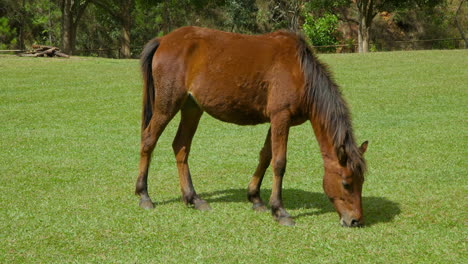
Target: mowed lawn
69,151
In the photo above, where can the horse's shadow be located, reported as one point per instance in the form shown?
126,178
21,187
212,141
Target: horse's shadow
376,209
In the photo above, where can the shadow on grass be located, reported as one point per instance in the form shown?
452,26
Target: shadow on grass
376,209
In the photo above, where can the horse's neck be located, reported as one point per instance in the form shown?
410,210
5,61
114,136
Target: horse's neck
325,142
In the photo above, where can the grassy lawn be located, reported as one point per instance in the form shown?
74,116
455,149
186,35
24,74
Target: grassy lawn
69,139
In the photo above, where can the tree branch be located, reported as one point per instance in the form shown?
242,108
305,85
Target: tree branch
343,15
81,10
107,7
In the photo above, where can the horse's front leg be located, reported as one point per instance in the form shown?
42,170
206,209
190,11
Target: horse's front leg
280,124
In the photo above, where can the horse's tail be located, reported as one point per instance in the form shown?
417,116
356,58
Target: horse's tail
148,82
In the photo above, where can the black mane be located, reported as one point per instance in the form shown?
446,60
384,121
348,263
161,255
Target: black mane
323,100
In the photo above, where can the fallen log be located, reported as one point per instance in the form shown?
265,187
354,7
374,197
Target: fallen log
42,47
61,54
50,52
44,50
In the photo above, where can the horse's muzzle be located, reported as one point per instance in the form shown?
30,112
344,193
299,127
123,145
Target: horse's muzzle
351,223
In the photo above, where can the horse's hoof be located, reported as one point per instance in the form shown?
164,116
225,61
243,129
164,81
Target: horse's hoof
201,205
286,221
146,204
259,207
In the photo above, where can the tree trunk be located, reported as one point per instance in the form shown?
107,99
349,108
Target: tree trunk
67,21
295,15
22,27
121,11
72,41
49,24
366,15
363,36
125,42
460,28
125,17
72,11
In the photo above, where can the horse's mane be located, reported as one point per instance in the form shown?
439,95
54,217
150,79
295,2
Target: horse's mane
322,98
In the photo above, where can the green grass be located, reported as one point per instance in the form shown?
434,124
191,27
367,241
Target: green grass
69,139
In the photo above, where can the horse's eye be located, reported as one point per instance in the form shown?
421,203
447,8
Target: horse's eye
346,185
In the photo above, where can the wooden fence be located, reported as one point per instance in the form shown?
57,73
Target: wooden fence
451,43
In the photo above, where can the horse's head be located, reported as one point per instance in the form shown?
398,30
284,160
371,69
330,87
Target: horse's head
343,182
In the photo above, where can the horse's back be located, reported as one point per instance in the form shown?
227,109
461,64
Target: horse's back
232,76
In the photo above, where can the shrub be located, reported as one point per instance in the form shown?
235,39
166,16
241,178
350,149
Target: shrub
321,31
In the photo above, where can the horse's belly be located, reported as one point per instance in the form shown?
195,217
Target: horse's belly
239,117
237,110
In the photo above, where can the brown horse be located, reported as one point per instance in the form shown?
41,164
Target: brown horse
249,80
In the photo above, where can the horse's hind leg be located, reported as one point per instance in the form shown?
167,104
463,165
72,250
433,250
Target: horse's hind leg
149,138
190,116
253,192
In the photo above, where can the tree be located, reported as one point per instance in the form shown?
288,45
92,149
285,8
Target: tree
72,11
11,18
241,15
367,12
286,14
458,22
121,11
363,12
29,22
104,24
321,30
368,9
7,34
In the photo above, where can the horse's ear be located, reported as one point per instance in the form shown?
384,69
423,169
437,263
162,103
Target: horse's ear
342,156
363,146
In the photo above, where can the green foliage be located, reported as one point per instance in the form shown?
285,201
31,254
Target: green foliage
7,34
33,21
101,31
146,24
44,21
39,21
285,14
321,31
321,23
241,15
418,23
327,5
